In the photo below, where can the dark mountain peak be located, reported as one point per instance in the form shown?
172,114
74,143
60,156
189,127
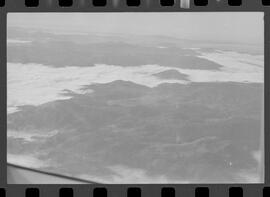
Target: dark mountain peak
116,84
118,89
172,74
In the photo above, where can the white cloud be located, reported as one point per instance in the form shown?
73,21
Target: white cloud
127,175
27,160
31,135
17,41
35,84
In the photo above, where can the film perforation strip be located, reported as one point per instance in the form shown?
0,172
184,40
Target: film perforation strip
31,3
136,3
235,2
100,191
2,192
66,192
266,2
201,192
236,192
136,192
266,191
166,2
65,3
201,2
99,3
32,192
133,2
2,3
168,192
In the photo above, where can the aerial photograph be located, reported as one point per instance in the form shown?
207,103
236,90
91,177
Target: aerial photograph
122,98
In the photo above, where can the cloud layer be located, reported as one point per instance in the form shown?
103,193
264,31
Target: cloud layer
35,84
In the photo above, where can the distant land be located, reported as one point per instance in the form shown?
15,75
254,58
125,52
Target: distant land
139,109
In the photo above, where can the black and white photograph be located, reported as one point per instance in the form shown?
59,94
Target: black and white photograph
133,97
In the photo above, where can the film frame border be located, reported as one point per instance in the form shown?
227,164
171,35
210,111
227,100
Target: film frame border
143,5
115,189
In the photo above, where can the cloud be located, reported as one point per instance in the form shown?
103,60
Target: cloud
35,84
30,135
17,41
27,160
127,175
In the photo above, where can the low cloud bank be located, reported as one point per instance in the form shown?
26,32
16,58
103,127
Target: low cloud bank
35,84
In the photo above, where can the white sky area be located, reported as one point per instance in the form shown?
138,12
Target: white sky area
243,27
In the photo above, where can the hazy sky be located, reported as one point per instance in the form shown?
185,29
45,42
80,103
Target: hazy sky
223,26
